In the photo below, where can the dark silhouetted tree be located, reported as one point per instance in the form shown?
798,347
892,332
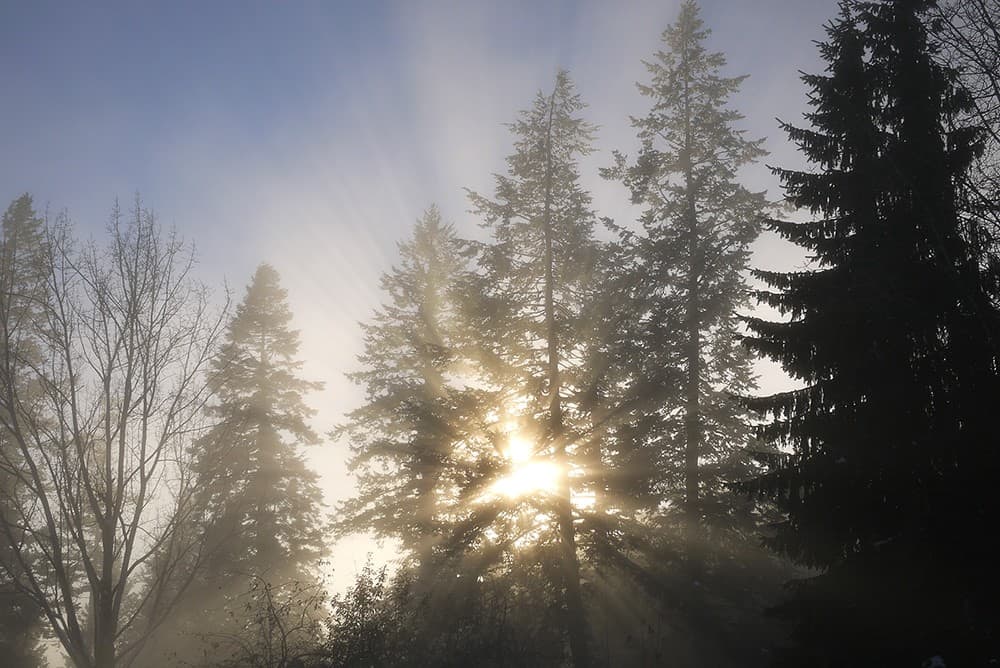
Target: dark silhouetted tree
884,459
968,36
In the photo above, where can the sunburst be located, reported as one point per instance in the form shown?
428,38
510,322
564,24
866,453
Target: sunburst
527,473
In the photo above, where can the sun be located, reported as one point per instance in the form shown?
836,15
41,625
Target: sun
528,478
527,473
519,449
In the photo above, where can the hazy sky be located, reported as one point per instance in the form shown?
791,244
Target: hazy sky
312,135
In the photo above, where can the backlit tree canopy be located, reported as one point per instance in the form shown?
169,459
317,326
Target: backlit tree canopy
548,428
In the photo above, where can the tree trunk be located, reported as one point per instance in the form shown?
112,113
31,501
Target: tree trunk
104,616
104,611
692,386
430,445
576,619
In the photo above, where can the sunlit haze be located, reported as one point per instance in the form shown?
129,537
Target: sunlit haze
544,332
312,135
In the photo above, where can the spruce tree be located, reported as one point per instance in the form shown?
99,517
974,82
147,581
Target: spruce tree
455,376
258,510
883,460
403,437
536,284
21,287
260,499
689,267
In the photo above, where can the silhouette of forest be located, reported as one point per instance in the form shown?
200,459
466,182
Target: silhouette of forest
560,424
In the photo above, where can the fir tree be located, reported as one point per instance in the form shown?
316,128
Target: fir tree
536,283
260,499
258,510
456,368
403,436
699,223
679,348
885,456
21,286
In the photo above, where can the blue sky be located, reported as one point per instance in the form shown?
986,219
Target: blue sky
312,134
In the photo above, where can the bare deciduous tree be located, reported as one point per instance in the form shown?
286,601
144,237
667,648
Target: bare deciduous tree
968,34
102,384
271,626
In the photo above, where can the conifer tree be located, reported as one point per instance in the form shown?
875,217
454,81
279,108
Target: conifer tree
403,436
536,283
260,501
699,223
258,511
21,284
884,458
450,389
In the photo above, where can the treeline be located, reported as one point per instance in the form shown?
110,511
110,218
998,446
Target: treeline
561,427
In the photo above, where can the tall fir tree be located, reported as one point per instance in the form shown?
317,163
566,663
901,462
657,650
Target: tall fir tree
21,288
414,416
699,222
452,445
883,460
680,348
537,281
260,498
259,507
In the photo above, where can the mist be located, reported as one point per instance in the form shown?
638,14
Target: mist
559,334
